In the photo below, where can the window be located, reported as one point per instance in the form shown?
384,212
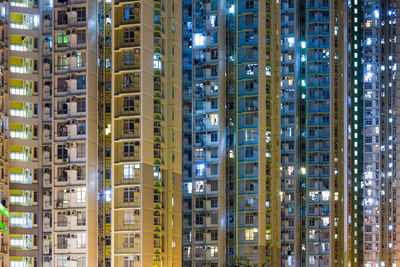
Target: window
250,185
62,219
81,218
249,20
249,4
249,152
129,217
62,175
80,195
199,203
81,36
61,261
129,171
62,129
81,14
129,35
214,54
81,127
81,105
129,12
62,18
199,219
129,261
214,202
214,136
129,240
214,119
129,103
249,234
199,236
129,195
129,80
214,235
81,82
249,218
199,186
129,126
62,152
81,173
62,242
214,186
81,240
62,107
80,59
62,39
81,150
214,251
129,58
129,149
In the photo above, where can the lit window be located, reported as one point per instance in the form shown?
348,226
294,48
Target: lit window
199,39
81,240
199,186
129,12
249,234
129,240
129,171
214,251
129,217
81,195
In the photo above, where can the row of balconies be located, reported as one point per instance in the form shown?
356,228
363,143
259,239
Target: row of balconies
70,130
70,152
24,21
70,62
70,220
68,108
71,39
70,198
69,243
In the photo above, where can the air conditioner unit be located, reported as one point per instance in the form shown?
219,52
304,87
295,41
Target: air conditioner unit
136,212
136,189
135,258
136,235
136,51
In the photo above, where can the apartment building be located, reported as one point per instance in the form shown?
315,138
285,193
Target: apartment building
231,114
380,107
146,133
316,173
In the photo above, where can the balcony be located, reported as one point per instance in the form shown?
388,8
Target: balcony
22,220
70,243
22,242
24,3
23,153
24,21
70,198
23,131
23,65
23,110
23,43
25,198
23,87
70,220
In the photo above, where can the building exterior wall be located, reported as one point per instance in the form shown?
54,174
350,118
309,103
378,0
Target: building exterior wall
230,83
146,133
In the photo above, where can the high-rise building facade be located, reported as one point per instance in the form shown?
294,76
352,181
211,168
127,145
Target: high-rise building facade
146,133
380,110
314,96
230,117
